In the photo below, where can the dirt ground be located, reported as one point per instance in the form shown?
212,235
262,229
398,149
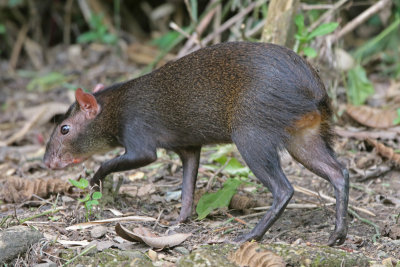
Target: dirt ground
145,192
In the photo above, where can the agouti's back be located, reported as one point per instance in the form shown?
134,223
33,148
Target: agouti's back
203,97
262,97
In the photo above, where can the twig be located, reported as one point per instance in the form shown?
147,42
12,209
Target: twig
17,48
21,133
328,198
211,180
236,218
294,206
67,22
229,23
87,13
326,15
377,230
85,251
278,235
317,6
175,27
205,21
360,19
47,212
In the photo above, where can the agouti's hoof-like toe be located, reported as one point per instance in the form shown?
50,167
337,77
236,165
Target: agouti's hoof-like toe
244,238
337,238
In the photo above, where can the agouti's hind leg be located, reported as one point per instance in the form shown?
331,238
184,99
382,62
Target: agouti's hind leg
311,150
263,160
190,157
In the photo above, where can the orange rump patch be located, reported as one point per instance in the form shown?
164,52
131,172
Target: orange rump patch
309,120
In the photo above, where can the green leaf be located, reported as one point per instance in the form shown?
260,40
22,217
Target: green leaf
97,195
310,52
220,155
193,7
299,21
359,87
210,201
2,29
82,183
234,167
46,82
14,3
397,120
85,199
323,29
109,38
87,37
166,40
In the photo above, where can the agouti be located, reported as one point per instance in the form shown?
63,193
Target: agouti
262,97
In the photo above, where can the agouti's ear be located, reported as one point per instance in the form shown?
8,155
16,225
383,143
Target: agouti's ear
87,103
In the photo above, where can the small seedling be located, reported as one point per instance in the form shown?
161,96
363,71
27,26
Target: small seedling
89,200
98,32
304,38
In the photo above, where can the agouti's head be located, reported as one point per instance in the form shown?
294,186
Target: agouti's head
77,136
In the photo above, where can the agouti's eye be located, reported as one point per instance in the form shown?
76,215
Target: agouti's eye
64,129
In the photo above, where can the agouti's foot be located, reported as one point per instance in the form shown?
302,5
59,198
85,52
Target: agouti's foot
338,237
246,237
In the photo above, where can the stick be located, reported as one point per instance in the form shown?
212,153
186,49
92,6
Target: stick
80,254
328,198
360,19
236,218
377,230
17,48
211,180
326,15
228,24
21,133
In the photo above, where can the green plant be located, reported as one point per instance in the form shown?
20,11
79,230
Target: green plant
210,201
46,82
359,87
304,38
397,120
98,32
89,200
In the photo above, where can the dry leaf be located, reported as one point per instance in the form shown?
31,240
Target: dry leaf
17,189
250,254
120,219
385,151
372,117
144,235
240,202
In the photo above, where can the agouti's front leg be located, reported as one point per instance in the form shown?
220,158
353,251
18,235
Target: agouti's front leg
190,157
130,160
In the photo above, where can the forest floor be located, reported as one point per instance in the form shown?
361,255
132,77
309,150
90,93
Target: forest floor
154,190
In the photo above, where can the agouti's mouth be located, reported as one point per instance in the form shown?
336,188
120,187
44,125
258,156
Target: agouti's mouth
61,164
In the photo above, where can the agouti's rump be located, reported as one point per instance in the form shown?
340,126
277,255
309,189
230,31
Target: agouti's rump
262,97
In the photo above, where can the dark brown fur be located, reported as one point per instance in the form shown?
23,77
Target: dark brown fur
262,97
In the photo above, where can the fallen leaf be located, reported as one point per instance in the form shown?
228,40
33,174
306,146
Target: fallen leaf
385,151
144,235
121,219
16,189
372,117
250,254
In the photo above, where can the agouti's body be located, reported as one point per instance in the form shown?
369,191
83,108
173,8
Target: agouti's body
262,97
